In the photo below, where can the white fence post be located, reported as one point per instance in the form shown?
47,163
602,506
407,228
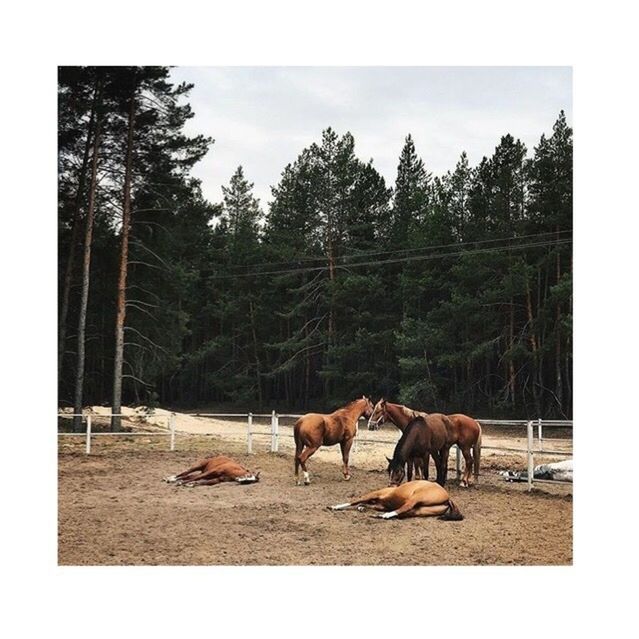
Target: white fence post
88,448
458,460
540,435
249,434
172,429
273,432
531,463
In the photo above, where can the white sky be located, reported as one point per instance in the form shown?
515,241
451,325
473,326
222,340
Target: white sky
262,117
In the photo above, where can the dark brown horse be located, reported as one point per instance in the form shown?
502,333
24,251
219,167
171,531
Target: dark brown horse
401,416
463,431
422,437
316,429
412,499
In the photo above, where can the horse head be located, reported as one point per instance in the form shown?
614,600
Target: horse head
378,415
368,411
396,472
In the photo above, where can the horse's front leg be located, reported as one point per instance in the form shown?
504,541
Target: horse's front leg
346,449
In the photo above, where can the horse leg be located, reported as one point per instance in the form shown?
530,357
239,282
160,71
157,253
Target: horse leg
346,449
176,478
205,482
429,511
304,455
468,466
195,481
369,499
425,464
409,470
298,449
443,465
403,511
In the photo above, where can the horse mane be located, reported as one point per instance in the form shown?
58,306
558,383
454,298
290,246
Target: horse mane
407,411
354,401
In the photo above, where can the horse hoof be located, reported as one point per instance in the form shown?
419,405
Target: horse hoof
347,477
361,509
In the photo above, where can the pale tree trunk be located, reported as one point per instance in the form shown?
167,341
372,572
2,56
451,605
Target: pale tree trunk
258,368
558,377
511,343
533,348
75,230
124,262
86,268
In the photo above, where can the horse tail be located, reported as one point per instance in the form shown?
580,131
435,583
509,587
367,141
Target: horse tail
477,454
299,445
453,513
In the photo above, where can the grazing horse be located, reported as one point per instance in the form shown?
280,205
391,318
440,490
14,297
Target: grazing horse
463,431
315,429
422,437
412,499
214,470
401,416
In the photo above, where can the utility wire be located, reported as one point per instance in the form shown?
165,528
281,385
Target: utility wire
396,251
413,258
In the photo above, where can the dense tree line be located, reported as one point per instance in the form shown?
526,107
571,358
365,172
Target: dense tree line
448,292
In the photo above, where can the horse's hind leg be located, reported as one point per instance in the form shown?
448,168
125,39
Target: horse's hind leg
428,511
206,482
405,510
369,499
186,473
346,449
303,457
198,481
466,479
298,449
442,465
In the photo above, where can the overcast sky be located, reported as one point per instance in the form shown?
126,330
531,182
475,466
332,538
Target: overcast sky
262,117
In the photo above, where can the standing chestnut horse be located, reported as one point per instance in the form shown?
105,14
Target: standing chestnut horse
463,431
315,429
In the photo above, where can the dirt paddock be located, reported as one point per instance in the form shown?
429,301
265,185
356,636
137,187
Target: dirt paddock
115,510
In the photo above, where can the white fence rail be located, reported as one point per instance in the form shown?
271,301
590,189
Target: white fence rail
275,434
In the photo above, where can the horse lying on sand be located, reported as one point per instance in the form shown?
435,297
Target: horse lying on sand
214,470
413,499
316,429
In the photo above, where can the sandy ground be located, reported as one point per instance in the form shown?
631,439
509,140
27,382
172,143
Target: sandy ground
114,509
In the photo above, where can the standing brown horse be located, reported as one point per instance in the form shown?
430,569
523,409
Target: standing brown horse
463,431
315,429
401,416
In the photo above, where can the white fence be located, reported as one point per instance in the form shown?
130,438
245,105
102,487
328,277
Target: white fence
531,426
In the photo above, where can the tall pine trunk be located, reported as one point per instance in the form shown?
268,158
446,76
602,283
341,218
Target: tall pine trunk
75,230
86,272
124,262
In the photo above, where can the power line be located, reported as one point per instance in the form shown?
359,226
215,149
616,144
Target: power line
413,258
407,250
